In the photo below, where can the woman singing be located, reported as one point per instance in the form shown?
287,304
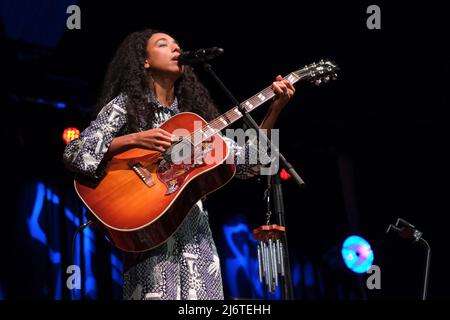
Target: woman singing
144,86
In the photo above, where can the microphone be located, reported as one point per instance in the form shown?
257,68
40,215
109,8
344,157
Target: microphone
201,55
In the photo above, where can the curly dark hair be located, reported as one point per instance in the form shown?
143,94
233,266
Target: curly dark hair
126,74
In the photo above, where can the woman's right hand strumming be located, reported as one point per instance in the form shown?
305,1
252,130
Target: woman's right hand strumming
154,139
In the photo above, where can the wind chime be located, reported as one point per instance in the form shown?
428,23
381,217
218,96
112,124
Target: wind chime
270,249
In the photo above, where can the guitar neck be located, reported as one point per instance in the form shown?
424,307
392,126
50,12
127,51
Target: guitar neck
234,114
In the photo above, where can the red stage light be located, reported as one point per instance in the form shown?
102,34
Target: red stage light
284,175
70,133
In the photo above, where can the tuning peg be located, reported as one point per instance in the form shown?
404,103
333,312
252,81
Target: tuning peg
317,82
321,61
334,76
326,79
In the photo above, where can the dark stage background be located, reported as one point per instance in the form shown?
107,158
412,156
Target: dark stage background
371,146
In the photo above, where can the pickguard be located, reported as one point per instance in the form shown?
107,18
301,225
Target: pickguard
173,175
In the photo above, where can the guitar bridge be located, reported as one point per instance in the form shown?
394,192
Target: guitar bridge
143,173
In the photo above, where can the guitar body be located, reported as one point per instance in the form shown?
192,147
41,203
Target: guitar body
143,198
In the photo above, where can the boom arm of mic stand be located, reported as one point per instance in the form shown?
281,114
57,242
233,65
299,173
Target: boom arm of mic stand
251,123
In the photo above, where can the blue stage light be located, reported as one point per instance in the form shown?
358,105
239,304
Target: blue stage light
357,254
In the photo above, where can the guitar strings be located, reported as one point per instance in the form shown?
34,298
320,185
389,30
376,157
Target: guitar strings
268,93
254,100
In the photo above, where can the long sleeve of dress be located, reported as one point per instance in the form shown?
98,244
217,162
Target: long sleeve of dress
85,154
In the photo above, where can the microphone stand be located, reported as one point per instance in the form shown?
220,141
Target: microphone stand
406,230
287,283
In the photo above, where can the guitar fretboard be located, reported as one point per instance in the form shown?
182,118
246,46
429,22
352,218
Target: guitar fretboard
234,114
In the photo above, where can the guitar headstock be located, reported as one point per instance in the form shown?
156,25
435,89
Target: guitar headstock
320,72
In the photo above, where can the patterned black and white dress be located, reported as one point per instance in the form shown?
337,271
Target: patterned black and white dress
187,265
